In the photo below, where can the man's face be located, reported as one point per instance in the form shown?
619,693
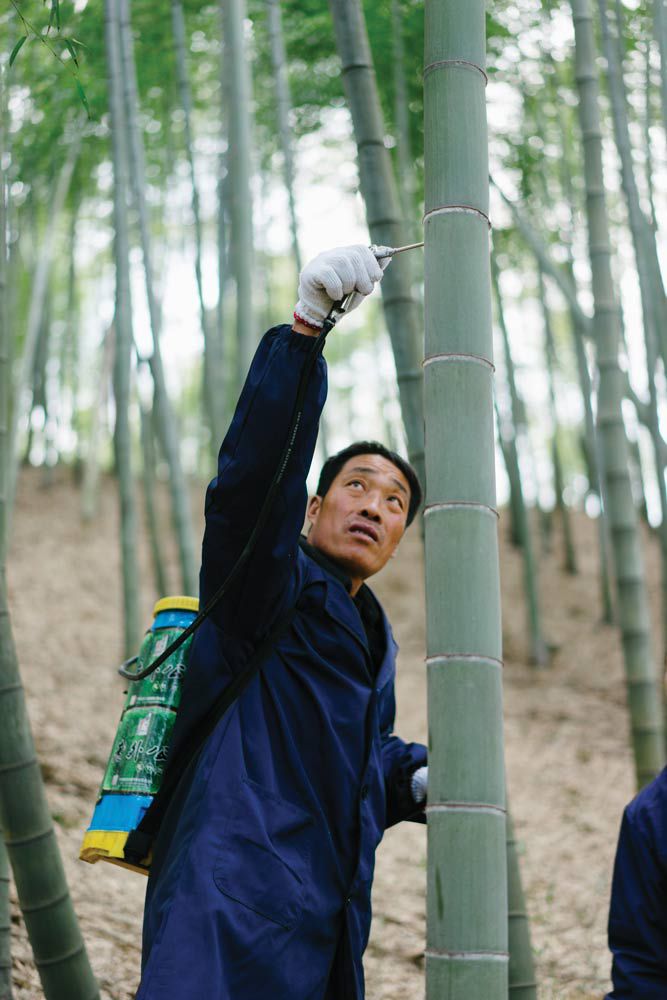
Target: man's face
361,519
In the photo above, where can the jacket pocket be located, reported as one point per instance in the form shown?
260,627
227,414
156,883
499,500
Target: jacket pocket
264,862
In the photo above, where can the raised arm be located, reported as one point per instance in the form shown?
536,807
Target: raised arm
251,451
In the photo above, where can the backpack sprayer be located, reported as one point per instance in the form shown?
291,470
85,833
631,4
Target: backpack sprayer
135,790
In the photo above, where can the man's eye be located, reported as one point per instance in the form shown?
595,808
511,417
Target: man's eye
355,482
398,500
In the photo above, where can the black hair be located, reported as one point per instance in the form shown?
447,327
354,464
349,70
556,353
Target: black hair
335,463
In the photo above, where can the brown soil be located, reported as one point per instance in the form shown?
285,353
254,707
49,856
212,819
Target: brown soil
569,767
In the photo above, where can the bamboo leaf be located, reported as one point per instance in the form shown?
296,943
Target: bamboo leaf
70,48
17,48
82,95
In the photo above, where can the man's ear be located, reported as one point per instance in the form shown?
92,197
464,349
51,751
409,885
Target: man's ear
313,509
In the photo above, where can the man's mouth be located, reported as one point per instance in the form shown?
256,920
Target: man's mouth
364,530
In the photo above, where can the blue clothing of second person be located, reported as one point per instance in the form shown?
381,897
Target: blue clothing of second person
261,879
638,909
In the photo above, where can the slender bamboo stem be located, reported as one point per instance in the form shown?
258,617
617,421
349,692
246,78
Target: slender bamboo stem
538,650
570,559
212,367
644,704
148,480
91,465
466,953
660,33
180,500
36,309
239,164
522,981
283,107
5,926
122,339
654,303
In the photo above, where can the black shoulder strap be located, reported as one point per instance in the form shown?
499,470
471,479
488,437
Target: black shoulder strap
139,841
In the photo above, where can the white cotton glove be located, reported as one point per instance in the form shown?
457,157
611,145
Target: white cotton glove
331,276
418,784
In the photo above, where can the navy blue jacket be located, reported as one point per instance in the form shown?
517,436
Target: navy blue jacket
638,911
261,882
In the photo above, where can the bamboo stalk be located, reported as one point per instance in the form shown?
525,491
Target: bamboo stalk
91,465
239,164
466,954
5,926
36,309
212,367
654,303
122,339
660,34
283,107
538,650
384,215
180,500
570,559
60,955
644,704
522,981
148,481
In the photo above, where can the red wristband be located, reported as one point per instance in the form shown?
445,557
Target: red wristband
311,326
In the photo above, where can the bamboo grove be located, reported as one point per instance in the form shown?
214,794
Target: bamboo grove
164,175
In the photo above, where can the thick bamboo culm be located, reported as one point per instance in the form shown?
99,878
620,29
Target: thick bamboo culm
466,952
384,215
645,707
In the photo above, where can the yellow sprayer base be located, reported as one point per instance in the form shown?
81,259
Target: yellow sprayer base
108,845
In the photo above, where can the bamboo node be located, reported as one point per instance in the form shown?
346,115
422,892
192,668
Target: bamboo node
41,963
446,63
491,661
6,768
47,905
483,808
456,210
349,67
33,838
472,358
480,508
8,688
468,956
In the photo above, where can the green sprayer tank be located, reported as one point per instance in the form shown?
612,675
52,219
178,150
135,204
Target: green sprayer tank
136,764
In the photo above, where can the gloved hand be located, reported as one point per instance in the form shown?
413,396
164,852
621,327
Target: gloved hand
419,784
331,276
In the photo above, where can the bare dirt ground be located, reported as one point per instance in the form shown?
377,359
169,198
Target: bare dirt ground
569,767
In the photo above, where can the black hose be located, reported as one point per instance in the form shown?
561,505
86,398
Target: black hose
262,518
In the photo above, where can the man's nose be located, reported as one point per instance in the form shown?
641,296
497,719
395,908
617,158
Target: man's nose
371,508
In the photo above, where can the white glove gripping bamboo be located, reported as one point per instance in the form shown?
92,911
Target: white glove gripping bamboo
331,276
419,783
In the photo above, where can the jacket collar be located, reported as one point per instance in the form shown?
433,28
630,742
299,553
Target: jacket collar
353,622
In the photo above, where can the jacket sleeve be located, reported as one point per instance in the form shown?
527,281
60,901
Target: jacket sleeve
399,761
247,462
638,910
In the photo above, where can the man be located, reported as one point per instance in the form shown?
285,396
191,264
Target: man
638,910
261,878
